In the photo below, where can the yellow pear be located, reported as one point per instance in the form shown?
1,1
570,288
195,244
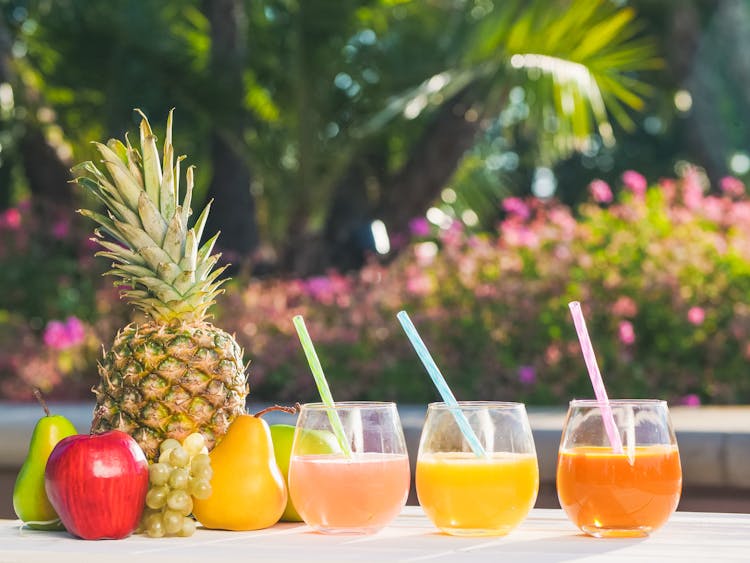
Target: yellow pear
247,488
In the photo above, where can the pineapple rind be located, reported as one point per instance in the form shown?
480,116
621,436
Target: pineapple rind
170,381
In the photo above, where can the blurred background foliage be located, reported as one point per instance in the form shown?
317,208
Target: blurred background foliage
331,134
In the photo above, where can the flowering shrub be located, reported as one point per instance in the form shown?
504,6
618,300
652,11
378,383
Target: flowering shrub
662,272
663,275
52,316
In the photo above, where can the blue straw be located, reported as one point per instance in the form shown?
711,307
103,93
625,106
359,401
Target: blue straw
442,386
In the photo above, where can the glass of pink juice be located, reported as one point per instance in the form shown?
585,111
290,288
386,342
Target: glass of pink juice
356,492
466,494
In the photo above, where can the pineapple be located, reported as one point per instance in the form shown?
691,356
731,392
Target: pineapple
175,373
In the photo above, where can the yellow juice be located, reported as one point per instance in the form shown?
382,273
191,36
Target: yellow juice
466,495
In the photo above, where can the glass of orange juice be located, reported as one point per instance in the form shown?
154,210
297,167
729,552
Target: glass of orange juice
619,494
467,494
355,492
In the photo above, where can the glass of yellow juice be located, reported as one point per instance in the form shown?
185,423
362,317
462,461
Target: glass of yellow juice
628,493
358,491
467,494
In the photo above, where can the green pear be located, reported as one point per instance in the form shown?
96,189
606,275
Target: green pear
313,442
30,500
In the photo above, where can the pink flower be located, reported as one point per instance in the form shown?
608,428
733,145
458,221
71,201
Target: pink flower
10,219
419,284
516,206
691,400
60,229
419,227
692,190
696,315
527,375
318,287
635,182
61,335
626,333
453,235
518,234
668,187
75,330
600,191
714,208
425,253
625,307
731,186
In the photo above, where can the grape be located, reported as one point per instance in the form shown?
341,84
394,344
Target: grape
172,521
188,527
158,473
178,479
189,508
145,518
183,472
178,500
201,460
203,472
151,521
194,443
157,497
155,529
169,444
200,488
179,457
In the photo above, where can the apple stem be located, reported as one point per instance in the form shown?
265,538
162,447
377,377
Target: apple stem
38,395
289,410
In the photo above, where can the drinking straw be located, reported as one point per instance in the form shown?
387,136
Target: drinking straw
596,377
440,383
321,383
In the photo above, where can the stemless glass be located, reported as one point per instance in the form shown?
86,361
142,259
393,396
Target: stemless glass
468,495
358,493
628,494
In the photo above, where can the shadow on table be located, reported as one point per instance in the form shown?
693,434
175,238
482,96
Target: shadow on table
566,547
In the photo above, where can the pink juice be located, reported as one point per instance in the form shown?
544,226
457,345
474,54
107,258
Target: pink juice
359,494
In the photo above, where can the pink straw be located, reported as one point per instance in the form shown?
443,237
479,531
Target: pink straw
596,377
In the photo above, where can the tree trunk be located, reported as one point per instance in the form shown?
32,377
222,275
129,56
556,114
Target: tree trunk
48,176
361,196
348,233
431,165
233,211
46,173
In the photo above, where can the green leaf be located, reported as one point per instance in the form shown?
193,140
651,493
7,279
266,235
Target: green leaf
124,182
153,223
151,168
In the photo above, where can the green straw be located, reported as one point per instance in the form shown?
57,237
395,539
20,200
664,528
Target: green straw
322,384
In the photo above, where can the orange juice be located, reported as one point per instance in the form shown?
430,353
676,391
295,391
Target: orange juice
361,494
464,494
601,491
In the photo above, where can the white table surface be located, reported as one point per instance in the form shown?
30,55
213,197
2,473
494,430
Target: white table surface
545,536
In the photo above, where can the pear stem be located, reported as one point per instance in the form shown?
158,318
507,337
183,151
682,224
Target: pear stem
288,410
97,417
38,395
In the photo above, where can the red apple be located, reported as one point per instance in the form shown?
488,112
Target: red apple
97,484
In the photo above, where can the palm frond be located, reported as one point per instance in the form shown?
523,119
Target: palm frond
578,59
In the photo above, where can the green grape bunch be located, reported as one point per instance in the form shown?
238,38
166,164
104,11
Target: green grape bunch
181,473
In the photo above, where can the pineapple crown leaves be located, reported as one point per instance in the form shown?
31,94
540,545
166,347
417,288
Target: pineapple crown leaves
160,264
